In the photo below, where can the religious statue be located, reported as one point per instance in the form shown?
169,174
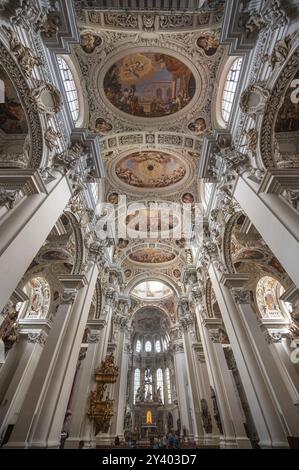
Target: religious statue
23,54
159,396
255,22
280,52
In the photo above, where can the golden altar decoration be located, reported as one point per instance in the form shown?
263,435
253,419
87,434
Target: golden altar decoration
100,409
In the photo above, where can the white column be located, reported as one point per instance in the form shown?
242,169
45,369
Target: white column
195,398
182,385
87,429
24,229
229,391
17,372
48,426
280,393
275,220
80,400
40,396
211,437
265,415
123,384
227,433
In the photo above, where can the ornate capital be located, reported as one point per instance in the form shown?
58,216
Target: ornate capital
214,336
273,337
186,322
110,296
37,337
8,197
178,346
68,296
93,337
241,296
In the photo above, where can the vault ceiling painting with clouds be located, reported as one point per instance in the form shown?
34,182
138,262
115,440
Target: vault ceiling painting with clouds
150,83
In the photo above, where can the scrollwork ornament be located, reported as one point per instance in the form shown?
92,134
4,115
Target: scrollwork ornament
47,97
273,337
37,338
214,336
242,296
93,338
68,296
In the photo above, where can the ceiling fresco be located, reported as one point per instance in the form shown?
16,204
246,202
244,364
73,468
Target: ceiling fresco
149,169
152,220
149,85
152,256
12,116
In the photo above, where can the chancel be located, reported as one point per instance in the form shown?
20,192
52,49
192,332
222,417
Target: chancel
149,226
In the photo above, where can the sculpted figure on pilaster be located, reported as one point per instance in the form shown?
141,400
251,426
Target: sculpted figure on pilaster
68,159
8,197
29,15
206,416
51,138
25,57
280,52
216,411
9,328
110,297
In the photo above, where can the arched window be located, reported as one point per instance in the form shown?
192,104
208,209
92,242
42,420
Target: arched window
158,346
94,191
138,346
230,89
148,346
136,382
70,88
208,192
168,386
38,291
268,293
160,385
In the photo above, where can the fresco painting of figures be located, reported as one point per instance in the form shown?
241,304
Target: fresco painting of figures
149,85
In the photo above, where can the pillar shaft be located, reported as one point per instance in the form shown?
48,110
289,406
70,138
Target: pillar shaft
28,225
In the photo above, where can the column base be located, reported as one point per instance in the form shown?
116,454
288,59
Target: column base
211,441
273,445
104,440
235,443
72,443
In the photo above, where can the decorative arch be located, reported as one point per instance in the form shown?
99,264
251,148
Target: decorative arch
79,257
153,276
36,154
226,242
267,125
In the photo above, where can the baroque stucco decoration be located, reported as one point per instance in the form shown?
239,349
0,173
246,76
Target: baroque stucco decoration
116,45
35,150
271,111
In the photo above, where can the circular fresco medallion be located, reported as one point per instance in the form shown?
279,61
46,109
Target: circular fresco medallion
150,169
188,198
150,85
113,198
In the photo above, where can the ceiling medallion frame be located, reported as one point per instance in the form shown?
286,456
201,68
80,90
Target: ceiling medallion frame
197,100
131,190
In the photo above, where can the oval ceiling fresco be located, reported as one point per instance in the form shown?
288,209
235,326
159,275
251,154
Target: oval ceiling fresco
152,221
152,256
149,85
150,169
